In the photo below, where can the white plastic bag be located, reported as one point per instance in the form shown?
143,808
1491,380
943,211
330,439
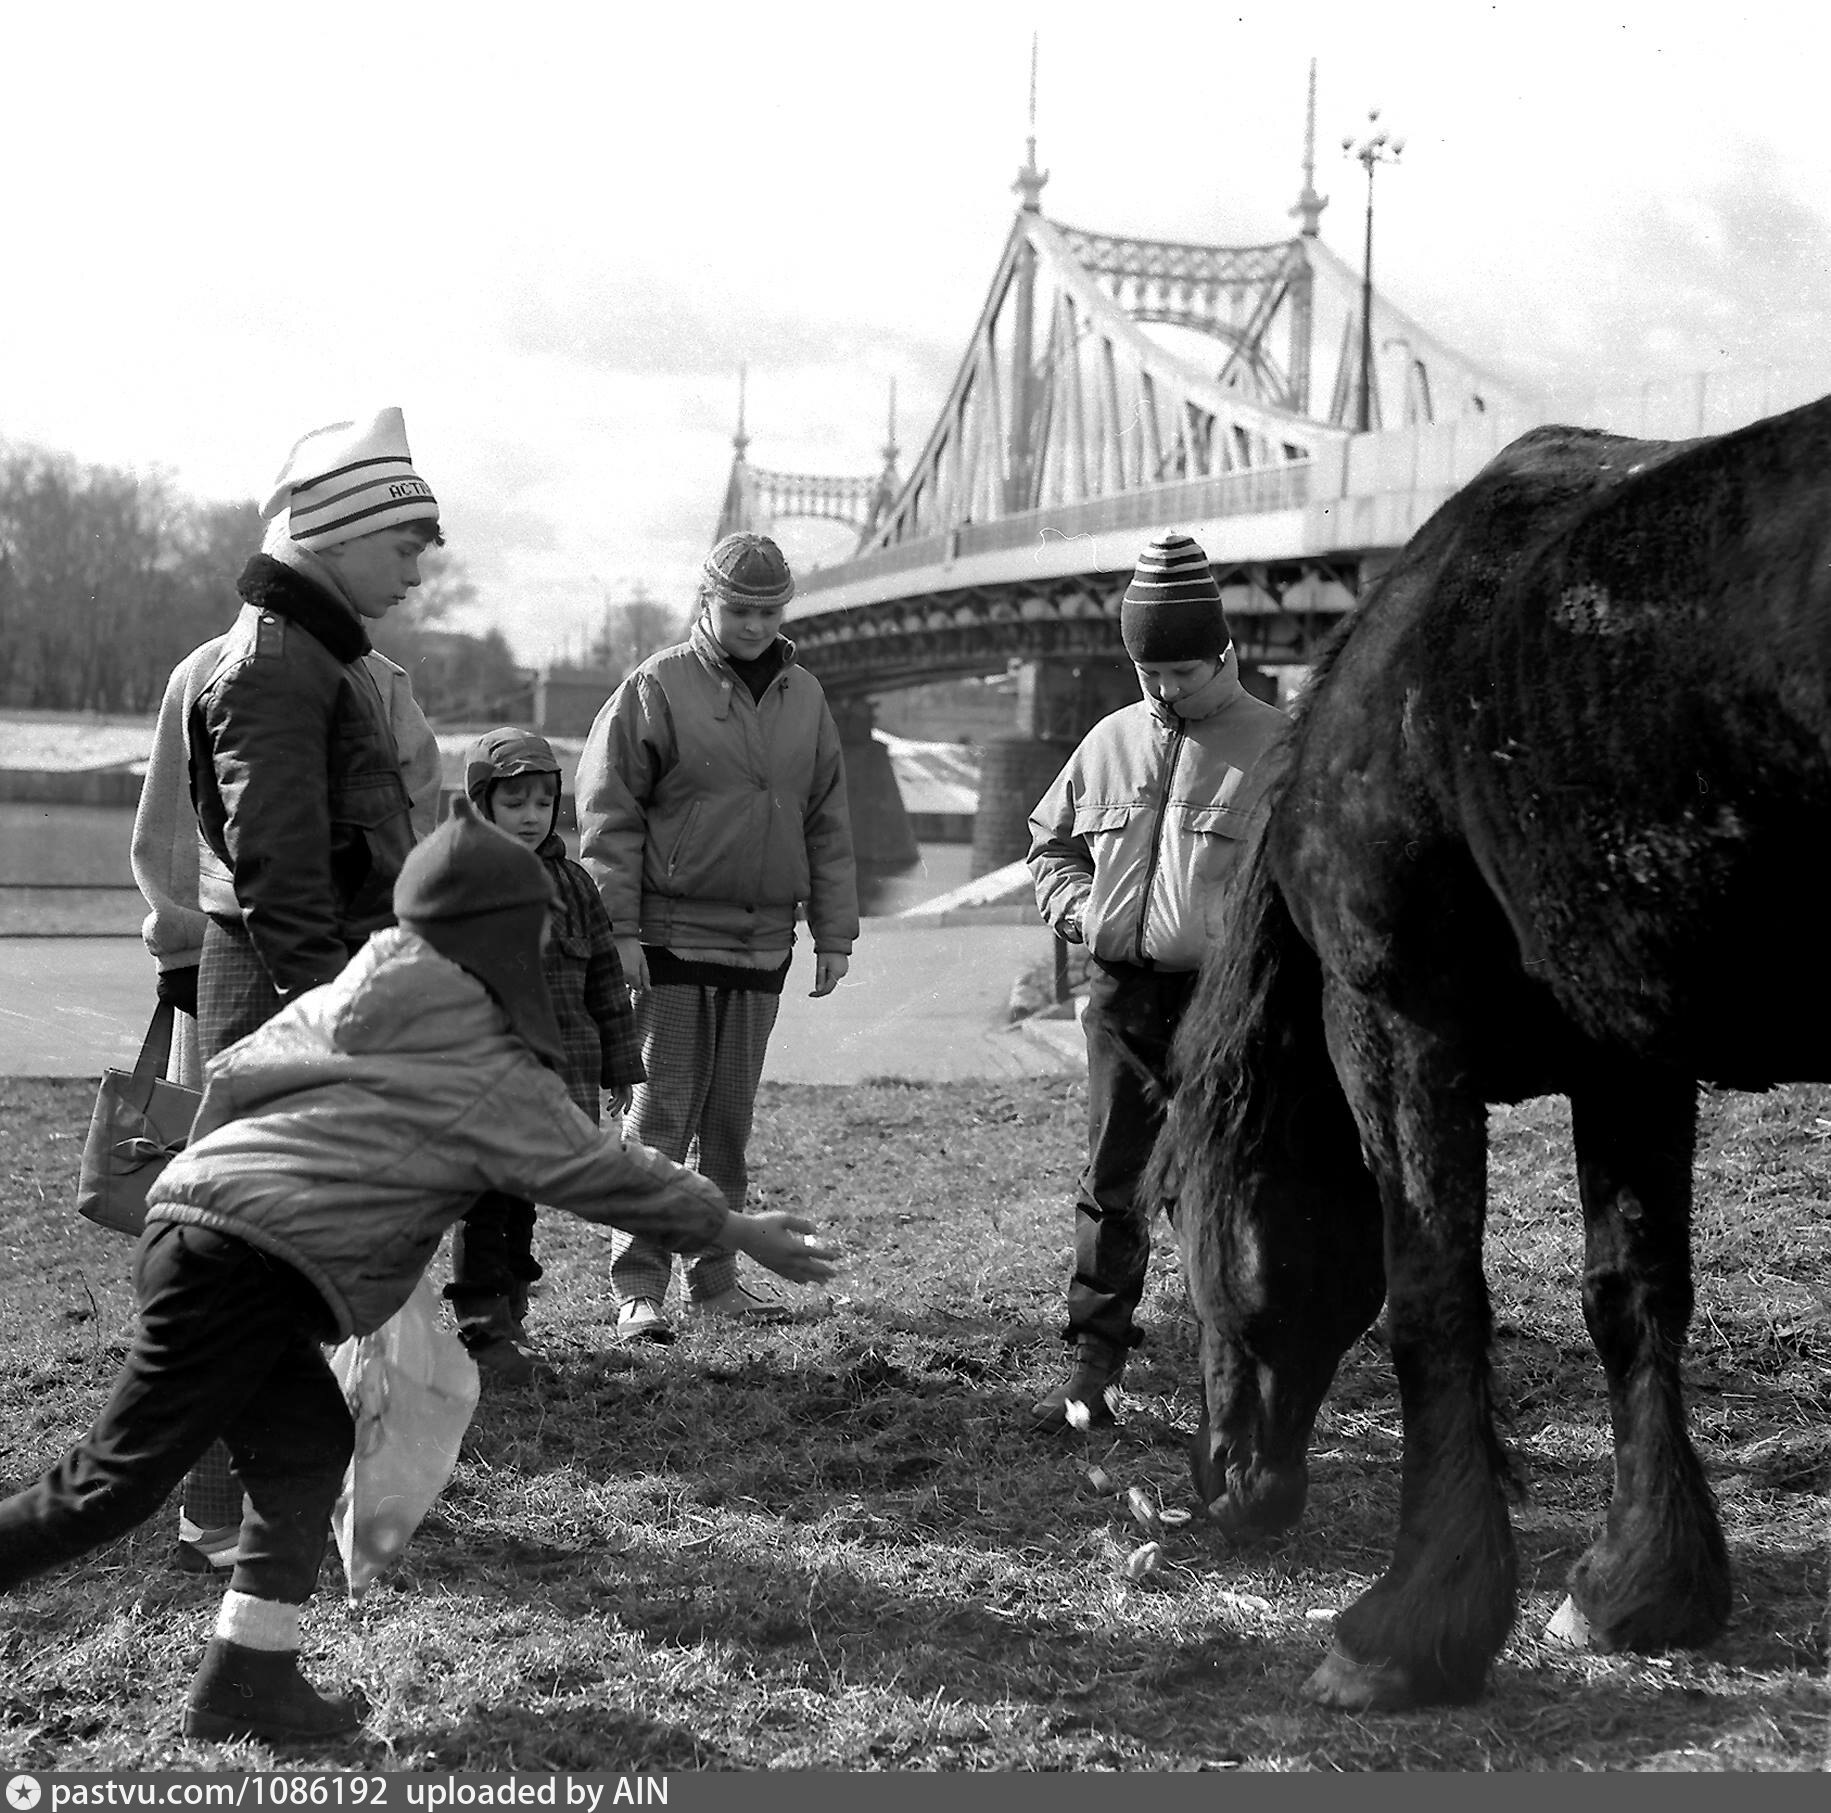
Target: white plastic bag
411,1389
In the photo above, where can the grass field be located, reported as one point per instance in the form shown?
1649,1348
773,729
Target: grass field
839,1546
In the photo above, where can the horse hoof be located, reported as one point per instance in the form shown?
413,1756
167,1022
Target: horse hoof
1352,1686
1568,1625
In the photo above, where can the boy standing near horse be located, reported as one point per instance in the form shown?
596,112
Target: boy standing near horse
1128,849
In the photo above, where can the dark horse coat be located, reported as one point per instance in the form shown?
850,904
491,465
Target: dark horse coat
1550,820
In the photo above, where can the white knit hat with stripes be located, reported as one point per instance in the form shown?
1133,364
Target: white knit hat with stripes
350,479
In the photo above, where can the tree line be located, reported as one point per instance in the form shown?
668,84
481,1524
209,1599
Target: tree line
108,578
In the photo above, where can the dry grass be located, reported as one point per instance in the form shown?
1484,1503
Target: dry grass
839,1546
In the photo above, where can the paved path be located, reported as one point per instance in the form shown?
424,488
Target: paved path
923,1001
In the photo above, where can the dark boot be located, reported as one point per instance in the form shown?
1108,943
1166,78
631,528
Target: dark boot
1097,1364
240,1692
495,1339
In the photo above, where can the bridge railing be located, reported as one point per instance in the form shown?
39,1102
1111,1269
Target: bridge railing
1259,491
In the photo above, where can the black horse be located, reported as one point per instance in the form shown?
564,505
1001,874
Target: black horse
1551,819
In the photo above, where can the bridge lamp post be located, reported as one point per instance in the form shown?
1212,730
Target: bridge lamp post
1378,147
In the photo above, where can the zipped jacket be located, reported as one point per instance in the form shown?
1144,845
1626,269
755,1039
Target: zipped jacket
166,846
351,1130
1129,846
706,816
297,781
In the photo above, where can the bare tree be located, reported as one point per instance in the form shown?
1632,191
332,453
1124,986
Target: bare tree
634,628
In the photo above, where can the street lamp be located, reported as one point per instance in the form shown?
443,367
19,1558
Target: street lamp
1378,147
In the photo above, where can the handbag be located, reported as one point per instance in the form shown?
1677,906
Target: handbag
141,1122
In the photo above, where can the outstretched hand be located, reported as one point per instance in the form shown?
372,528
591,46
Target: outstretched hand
775,1239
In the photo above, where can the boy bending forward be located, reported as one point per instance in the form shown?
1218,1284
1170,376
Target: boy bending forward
333,1148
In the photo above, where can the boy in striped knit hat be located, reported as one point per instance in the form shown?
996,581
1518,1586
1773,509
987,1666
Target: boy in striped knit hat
1128,850
302,809
301,802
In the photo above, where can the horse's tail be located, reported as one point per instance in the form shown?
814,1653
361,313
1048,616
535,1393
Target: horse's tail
1253,1087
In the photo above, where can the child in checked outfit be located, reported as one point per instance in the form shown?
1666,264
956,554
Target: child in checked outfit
512,777
334,1147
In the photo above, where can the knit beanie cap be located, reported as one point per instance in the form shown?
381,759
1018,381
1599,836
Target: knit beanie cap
1172,609
350,479
749,569
479,897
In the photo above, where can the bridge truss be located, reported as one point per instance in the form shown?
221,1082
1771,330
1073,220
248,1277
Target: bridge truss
1114,386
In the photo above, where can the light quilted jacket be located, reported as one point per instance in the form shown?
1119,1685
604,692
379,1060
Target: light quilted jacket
346,1135
1130,844
706,816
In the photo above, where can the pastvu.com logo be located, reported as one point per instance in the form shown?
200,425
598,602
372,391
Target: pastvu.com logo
23,1793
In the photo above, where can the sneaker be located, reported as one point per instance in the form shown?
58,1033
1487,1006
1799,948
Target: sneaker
741,1304
641,1319
202,1551
188,1558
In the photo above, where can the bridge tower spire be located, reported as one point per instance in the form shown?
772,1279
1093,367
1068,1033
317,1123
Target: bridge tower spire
1020,466
736,512
1030,180
1309,204
1303,283
888,484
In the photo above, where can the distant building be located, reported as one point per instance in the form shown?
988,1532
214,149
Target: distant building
566,699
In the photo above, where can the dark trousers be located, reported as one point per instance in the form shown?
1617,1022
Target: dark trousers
228,1345
492,1250
1131,1017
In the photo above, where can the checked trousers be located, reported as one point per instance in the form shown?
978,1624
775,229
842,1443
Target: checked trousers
703,1049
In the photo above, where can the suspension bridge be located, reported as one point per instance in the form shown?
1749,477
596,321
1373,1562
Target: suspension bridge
1266,399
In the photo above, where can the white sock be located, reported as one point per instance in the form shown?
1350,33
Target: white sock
258,1623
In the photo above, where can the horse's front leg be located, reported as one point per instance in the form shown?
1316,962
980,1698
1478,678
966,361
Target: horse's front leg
1428,1629
1658,1577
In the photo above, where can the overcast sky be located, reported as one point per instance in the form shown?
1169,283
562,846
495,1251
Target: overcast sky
552,232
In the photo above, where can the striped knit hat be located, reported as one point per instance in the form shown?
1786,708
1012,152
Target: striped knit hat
749,569
1172,609
350,479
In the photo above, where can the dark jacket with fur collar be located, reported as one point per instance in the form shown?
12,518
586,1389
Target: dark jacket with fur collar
297,781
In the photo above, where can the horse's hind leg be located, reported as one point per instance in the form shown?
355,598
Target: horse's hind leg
1659,1575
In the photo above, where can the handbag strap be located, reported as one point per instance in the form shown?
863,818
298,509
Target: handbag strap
156,1048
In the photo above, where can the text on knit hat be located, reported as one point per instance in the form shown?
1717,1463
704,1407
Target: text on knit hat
350,479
